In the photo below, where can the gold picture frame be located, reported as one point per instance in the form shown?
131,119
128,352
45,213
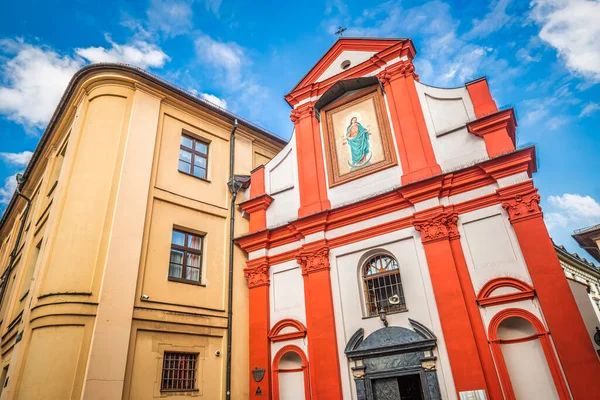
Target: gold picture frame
358,139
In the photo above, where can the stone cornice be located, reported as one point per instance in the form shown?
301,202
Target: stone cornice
504,119
258,203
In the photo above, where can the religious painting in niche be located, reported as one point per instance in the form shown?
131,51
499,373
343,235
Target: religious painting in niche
357,136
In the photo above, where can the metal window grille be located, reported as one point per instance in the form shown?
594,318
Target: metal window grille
179,371
382,285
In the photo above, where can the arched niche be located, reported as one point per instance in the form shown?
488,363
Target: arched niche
287,329
525,359
504,290
290,374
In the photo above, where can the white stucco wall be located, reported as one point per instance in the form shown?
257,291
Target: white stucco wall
446,113
287,300
528,370
355,58
281,183
490,246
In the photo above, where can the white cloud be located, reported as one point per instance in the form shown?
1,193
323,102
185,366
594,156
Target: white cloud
555,220
493,21
6,191
525,56
550,112
139,53
35,78
446,58
213,6
225,57
571,209
589,109
20,159
572,28
170,17
214,99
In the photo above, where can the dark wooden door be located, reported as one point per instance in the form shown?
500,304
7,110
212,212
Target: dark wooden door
407,387
386,389
410,387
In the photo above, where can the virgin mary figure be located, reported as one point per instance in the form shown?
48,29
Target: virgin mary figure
357,137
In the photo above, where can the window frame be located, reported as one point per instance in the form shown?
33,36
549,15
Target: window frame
195,371
194,153
185,249
401,307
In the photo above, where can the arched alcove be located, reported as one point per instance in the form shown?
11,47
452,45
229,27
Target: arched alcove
290,374
525,359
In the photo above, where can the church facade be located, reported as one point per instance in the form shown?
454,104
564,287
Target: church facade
397,250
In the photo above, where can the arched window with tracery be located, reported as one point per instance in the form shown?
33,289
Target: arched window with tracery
382,285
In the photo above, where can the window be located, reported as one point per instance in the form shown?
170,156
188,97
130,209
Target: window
382,285
186,257
179,371
193,156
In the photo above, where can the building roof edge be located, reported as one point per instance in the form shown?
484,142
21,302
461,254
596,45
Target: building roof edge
99,67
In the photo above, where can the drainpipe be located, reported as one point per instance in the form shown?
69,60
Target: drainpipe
234,187
13,254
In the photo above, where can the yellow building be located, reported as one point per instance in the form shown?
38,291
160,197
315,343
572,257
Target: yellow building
118,286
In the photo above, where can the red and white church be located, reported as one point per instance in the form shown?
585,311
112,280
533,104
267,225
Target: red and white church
397,248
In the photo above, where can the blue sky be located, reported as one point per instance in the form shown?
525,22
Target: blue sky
542,57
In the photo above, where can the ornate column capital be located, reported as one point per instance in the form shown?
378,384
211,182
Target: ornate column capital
400,69
314,261
523,206
257,272
305,110
384,76
442,226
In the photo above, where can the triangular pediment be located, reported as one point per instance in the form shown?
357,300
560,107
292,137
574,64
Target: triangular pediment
344,50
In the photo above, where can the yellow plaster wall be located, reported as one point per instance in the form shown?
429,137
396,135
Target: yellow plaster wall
80,244
212,191
51,364
77,293
148,350
155,283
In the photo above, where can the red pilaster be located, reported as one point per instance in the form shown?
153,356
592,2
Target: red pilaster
436,231
322,348
259,201
257,208
311,166
257,274
498,131
414,145
567,330
481,97
487,362
257,182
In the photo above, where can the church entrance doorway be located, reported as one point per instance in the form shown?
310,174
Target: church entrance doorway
405,387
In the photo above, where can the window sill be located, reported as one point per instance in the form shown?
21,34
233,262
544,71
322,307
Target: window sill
194,176
180,280
387,313
178,390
